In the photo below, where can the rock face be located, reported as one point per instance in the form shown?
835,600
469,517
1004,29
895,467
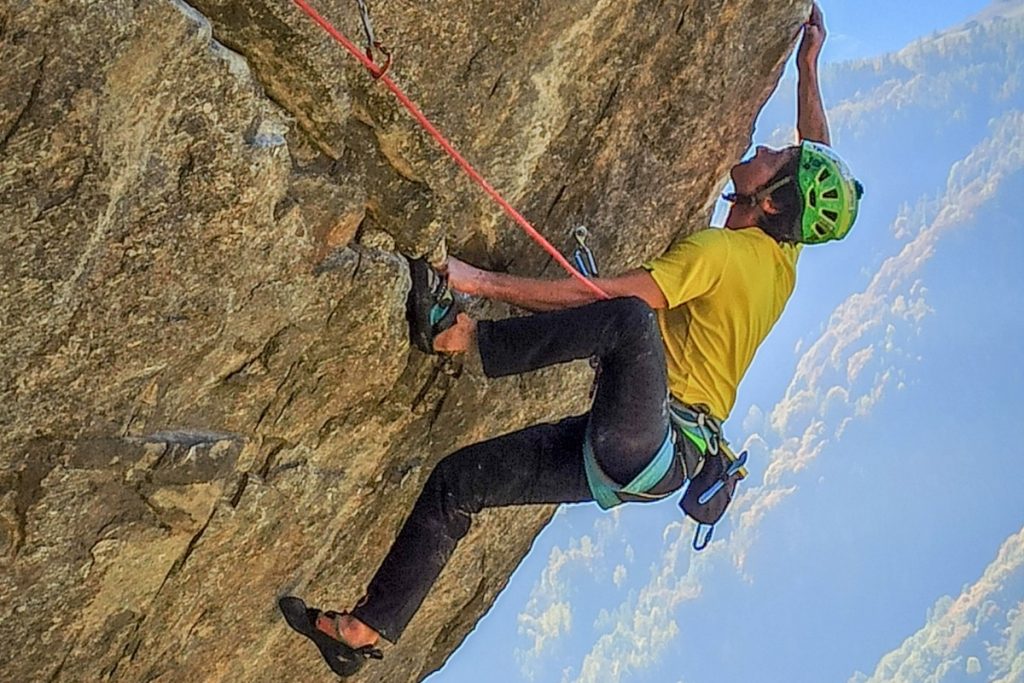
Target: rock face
207,396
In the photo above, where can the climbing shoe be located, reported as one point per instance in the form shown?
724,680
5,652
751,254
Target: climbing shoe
431,307
343,659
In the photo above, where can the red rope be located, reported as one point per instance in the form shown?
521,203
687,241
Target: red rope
379,75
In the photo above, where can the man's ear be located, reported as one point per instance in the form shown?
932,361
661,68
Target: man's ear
769,207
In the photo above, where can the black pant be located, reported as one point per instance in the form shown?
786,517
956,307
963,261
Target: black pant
539,464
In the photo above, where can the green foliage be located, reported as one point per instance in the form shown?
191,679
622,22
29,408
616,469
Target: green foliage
956,81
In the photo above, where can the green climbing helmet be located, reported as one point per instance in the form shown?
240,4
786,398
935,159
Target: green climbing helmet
830,194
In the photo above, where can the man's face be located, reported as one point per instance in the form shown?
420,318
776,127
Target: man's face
751,175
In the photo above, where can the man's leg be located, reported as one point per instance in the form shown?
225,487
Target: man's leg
629,417
542,464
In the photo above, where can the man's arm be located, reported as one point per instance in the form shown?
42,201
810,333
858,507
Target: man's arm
547,295
811,123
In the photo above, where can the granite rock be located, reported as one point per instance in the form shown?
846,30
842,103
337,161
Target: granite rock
207,394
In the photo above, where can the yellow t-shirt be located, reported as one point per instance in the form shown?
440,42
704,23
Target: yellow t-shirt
725,290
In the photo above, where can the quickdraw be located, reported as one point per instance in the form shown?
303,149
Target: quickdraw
582,256
586,264
371,40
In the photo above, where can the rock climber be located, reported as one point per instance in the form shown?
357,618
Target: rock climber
673,342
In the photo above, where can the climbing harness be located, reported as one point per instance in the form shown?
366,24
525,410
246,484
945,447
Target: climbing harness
607,492
710,482
704,430
711,485
379,74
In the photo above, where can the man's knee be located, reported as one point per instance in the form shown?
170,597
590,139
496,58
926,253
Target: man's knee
441,506
635,316
452,484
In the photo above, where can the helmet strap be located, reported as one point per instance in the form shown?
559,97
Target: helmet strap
753,200
741,199
766,192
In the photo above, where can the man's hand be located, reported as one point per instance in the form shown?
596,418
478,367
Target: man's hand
463,277
813,39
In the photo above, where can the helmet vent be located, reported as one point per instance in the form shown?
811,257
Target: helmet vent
812,198
824,174
820,229
831,194
831,215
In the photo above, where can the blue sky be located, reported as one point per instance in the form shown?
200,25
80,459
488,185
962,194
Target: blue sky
879,537
867,28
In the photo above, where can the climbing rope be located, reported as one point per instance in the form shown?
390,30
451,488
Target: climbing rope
379,73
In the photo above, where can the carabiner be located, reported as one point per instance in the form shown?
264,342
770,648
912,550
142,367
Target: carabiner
582,257
701,543
372,42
